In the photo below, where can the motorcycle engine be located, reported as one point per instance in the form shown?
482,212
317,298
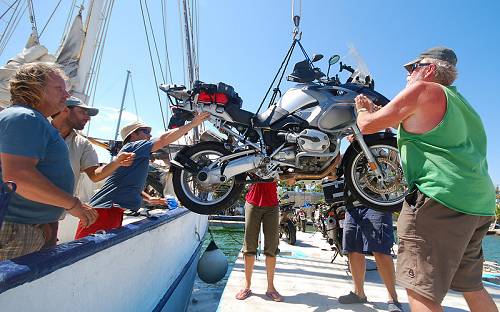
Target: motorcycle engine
313,141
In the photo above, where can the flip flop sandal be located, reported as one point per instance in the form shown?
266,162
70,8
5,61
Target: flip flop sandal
243,294
351,298
274,295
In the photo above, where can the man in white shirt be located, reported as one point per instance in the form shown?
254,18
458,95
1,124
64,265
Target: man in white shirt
82,154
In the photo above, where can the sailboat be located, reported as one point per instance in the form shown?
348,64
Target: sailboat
149,264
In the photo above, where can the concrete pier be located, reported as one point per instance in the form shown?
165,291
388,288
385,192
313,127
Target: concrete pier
309,282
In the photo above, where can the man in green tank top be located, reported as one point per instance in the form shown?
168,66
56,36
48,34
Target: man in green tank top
451,203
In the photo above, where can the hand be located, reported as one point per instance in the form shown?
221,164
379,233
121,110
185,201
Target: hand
351,138
85,213
157,201
125,159
199,118
362,101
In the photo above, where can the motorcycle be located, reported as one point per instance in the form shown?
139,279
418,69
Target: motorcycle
287,225
298,137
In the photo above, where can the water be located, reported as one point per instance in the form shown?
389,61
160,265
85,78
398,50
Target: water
205,296
491,248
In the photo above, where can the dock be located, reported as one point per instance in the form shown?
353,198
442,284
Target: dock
308,281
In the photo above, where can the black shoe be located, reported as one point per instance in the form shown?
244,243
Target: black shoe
352,298
394,306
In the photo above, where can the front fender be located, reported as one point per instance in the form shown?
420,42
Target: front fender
355,148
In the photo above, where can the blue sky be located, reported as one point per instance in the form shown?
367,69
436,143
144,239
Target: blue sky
242,43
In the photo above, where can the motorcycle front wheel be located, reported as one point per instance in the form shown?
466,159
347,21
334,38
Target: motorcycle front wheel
385,195
202,199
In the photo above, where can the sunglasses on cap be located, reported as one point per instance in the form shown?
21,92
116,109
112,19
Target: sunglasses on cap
415,65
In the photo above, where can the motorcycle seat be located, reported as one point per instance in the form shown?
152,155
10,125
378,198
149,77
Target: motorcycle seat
262,120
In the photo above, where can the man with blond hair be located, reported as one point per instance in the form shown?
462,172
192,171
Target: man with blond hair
451,202
35,157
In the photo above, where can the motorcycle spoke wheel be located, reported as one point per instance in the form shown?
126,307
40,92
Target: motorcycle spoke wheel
392,189
196,191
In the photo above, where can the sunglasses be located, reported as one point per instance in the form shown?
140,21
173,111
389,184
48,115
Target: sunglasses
145,131
415,65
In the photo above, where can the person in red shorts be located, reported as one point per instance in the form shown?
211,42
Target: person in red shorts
261,207
122,190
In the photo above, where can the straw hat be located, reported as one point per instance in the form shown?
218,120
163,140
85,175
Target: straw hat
128,129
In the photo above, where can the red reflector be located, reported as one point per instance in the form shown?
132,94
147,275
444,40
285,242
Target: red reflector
219,98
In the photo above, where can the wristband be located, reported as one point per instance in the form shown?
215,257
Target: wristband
361,110
77,203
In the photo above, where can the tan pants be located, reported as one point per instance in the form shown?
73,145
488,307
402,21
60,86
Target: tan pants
269,217
17,239
439,248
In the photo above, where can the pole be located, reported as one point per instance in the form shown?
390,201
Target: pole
121,107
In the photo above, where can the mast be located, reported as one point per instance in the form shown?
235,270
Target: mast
192,72
121,106
187,37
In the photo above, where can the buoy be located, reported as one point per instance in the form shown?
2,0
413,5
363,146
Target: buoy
212,266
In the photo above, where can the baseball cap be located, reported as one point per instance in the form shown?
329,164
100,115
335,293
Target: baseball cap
128,129
438,53
74,101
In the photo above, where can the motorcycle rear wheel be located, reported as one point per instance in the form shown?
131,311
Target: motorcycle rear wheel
192,195
363,183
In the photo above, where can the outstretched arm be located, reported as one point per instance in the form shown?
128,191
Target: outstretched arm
175,134
97,174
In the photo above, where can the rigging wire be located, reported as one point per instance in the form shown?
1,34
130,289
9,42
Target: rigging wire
102,39
167,58
8,9
68,21
91,84
152,66
182,43
154,40
50,17
9,28
17,18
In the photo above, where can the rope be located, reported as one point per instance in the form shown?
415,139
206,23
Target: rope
152,65
50,17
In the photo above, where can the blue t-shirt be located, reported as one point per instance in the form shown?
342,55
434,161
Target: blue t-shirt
24,131
123,188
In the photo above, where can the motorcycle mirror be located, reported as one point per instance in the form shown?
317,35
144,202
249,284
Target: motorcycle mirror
316,57
334,59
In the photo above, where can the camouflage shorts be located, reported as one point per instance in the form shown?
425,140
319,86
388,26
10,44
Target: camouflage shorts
18,239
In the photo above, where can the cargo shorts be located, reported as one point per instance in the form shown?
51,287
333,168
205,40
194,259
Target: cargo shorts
269,217
439,248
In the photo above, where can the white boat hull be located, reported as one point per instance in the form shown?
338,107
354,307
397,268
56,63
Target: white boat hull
148,265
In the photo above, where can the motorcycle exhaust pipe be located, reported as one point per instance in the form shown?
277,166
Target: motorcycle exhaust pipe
329,171
233,168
